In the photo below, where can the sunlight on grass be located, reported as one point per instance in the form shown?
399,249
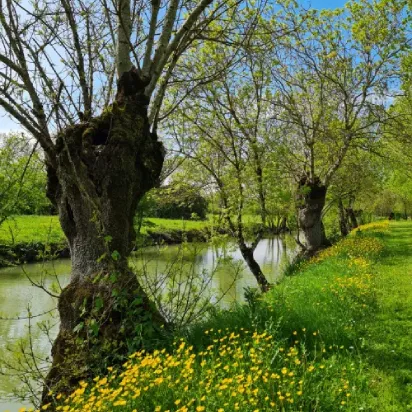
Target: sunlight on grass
46,229
299,347
238,371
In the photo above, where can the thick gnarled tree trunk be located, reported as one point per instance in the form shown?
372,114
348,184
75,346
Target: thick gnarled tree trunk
104,167
312,200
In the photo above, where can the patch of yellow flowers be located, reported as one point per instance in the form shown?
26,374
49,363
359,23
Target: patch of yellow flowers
245,371
382,226
358,248
354,286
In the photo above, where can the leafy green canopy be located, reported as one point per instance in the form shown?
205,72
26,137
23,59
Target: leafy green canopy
22,178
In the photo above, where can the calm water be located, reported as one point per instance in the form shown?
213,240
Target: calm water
217,273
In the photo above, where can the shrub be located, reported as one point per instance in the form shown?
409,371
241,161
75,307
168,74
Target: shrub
175,202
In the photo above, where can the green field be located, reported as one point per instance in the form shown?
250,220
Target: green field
334,335
46,229
31,229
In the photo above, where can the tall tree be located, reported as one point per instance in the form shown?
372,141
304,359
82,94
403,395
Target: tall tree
61,65
219,130
332,82
221,126
358,180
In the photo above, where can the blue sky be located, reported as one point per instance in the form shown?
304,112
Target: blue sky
7,124
323,4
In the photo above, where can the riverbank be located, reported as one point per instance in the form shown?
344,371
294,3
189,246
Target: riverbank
335,335
27,239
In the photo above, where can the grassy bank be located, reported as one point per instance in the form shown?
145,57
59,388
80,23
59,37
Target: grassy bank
32,238
31,229
336,335
46,229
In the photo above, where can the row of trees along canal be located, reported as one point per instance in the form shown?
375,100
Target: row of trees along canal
261,100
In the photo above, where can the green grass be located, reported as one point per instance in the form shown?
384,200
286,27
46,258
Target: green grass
154,223
46,229
158,224
31,229
387,341
336,335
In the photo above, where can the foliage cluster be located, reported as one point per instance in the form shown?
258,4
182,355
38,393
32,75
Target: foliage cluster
22,178
175,202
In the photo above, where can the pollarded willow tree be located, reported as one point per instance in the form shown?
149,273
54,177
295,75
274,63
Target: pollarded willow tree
79,76
332,82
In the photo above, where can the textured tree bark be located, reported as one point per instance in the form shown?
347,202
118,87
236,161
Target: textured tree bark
350,213
312,196
325,241
104,167
342,219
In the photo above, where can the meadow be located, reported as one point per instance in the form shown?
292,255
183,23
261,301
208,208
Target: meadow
46,229
334,335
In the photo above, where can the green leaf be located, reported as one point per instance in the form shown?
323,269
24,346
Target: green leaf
115,255
98,303
94,327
